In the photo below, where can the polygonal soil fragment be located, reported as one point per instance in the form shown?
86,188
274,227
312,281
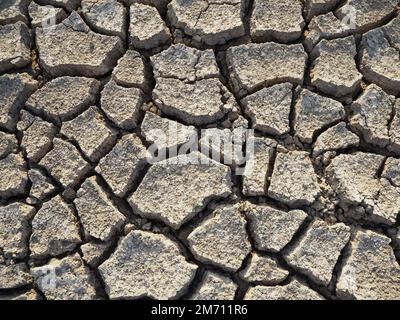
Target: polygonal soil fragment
41,187
15,229
221,239
366,14
372,113
93,252
64,98
279,20
293,180
69,5
255,65
14,91
326,26
370,270
147,30
386,206
99,217
91,132
269,108
335,138
13,10
314,112
334,69
15,45
37,135
354,176
165,133
55,229
257,165
316,7
215,287
318,250
193,179
273,229
130,71
224,145
122,105
380,61
8,144
123,164
14,276
265,270
106,16
152,265
354,179
187,85
201,19
71,48
392,171
65,279
197,103
14,177
43,16
185,63
65,163
295,290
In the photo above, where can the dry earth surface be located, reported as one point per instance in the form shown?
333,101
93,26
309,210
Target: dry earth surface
83,215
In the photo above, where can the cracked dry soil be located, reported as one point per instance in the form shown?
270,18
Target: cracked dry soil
83,215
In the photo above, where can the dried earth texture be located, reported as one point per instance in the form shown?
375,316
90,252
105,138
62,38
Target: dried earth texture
97,96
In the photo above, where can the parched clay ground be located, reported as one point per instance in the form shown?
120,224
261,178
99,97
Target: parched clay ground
315,215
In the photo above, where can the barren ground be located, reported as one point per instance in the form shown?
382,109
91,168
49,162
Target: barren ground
87,88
